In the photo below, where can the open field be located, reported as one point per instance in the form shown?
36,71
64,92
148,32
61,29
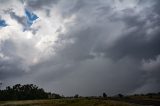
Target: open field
66,102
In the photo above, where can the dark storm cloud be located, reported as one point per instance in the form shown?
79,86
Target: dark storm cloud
108,49
93,76
135,42
88,59
135,46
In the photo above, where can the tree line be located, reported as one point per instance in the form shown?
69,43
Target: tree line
25,92
31,92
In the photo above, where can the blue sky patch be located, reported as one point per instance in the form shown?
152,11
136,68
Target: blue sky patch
2,23
30,16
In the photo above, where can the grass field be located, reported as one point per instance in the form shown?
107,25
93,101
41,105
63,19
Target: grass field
66,102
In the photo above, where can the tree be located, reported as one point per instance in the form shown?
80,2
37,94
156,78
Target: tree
0,85
104,95
76,96
120,95
23,92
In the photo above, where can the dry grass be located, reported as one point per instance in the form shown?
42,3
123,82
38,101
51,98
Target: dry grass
66,102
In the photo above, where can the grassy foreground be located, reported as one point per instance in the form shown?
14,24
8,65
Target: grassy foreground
66,102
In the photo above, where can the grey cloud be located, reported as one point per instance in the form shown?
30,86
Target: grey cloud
39,4
19,19
9,70
10,64
4,1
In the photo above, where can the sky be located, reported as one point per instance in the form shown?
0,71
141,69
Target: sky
83,47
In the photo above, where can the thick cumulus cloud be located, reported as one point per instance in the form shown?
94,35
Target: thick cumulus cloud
85,47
